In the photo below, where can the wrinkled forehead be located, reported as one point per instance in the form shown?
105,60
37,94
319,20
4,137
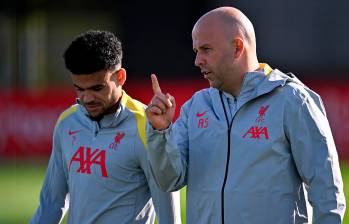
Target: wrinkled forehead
87,80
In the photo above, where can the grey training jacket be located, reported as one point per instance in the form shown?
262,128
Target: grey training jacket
100,171
244,160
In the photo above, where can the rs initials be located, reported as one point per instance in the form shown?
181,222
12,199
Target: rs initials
86,158
203,123
256,132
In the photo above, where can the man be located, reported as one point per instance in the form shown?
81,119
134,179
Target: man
99,153
246,146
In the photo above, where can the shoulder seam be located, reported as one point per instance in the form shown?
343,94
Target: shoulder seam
137,108
66,113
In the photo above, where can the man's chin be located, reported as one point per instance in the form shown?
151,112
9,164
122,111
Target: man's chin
212,84
96,116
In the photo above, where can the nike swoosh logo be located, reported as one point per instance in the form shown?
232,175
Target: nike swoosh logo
73,132
201,114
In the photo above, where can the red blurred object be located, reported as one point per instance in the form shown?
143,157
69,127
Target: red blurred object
27,118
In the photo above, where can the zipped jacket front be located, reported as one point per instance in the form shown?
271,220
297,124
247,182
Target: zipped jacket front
246,159
100,171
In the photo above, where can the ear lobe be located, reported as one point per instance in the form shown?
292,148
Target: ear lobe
121,76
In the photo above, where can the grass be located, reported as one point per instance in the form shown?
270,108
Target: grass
19,190
20,186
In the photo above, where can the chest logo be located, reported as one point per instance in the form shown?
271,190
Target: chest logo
202,122
261,113
117,140
87,158
73,135
257,132
198,114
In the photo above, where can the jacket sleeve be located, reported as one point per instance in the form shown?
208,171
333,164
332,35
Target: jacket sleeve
167,204
54,190
315,155
168,153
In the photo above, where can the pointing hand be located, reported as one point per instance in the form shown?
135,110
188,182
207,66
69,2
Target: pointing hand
161,108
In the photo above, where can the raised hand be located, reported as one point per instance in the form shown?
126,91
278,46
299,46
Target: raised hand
161,108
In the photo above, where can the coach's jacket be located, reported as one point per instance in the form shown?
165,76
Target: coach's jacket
245,160
101,171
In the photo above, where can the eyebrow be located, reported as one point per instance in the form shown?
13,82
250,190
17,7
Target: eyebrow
91,87
201,47
204,46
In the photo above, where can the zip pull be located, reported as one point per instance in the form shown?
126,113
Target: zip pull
235,105
96,129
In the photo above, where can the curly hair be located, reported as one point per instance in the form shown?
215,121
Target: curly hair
93,51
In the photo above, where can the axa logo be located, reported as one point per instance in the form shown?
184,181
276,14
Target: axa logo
117,140
202,122
86,157
257,132
261,113
73,135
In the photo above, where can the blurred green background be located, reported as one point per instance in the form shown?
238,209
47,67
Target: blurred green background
20,185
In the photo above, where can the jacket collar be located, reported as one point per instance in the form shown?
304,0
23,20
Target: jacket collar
255,84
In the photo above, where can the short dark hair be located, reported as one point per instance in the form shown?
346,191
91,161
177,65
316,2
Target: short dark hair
92,51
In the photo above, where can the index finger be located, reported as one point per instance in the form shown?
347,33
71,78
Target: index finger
155,84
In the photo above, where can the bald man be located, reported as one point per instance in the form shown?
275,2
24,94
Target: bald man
247,147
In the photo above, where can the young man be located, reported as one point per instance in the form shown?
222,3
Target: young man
246,146
98,164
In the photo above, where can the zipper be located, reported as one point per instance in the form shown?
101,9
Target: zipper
229,124
96,129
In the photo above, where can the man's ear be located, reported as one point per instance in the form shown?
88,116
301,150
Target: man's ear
239,47
121,76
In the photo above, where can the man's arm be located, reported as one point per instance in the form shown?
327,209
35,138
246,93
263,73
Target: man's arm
54,189
167,143
167,205
315,155
167,158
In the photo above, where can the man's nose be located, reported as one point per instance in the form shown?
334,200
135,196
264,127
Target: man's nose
88,96
199,61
